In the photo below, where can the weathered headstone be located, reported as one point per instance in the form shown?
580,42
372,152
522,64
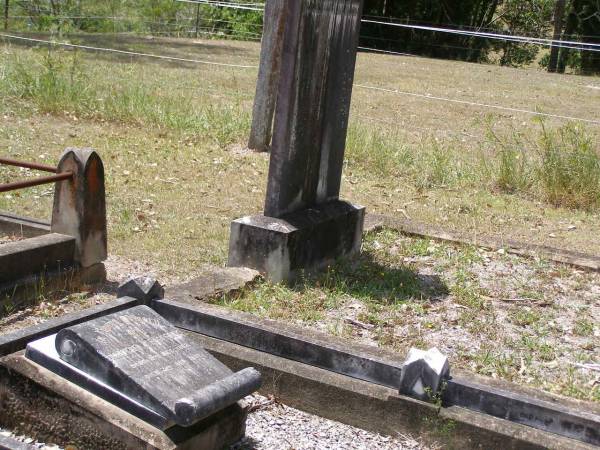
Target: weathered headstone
268,75
305,226
135,357
80,205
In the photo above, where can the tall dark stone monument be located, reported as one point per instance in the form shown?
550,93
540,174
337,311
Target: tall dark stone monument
305,226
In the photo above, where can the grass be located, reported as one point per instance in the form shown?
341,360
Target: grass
570,168
172,135
56,83
151,118
405,292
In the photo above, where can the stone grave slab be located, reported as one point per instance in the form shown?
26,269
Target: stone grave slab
138,361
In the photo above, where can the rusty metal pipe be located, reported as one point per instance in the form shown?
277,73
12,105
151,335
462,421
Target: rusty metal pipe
35,182
28,165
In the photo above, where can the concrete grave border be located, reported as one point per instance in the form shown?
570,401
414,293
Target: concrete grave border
375,222
368,405
72,248
507,401
24,226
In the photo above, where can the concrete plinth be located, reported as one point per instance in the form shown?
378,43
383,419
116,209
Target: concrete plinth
282,249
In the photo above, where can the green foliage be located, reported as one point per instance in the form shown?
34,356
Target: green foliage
522,17
60,82
163,17
569,170
468,14
172,18
239,23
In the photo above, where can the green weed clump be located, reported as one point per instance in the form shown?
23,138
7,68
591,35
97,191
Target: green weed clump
380,151
60,82
560,166
513,165
569,169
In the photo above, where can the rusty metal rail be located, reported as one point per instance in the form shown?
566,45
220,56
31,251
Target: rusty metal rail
34,181
28,165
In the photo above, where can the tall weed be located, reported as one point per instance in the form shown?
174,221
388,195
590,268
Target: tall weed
513,165
569,168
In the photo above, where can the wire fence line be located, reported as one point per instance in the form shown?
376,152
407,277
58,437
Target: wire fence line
360,86
127,52
142,19
482,105
572,45
497,36
417,129
246,6
408,21
255,36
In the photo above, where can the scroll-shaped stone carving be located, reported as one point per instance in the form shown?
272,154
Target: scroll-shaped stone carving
141,355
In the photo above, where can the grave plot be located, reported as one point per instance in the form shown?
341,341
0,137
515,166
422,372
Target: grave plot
36,256
524,320
333,378
163,369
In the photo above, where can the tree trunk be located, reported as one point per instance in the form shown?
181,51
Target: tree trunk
590,29
572,22
559,13
6,14
197,19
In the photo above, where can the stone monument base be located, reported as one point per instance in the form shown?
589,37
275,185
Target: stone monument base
285,248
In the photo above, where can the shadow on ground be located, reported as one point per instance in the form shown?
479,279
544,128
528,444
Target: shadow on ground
366,278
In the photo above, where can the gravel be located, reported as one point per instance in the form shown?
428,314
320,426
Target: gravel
274,426
28,440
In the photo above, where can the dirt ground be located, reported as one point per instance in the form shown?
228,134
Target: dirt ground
528,321
172,195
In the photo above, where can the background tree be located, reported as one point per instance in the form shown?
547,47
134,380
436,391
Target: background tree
559,15
467,14
523,18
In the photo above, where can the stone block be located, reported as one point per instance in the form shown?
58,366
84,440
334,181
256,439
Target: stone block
285,248
35,255
423,373
45,406
137,360
80,205
145,289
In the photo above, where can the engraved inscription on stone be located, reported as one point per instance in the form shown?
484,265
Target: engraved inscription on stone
142,355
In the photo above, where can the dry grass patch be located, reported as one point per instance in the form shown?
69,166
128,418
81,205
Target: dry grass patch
430,160
526,321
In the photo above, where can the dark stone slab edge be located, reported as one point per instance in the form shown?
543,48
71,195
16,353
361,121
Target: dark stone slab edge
16,341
